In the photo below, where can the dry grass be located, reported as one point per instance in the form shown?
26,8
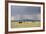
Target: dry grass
25,24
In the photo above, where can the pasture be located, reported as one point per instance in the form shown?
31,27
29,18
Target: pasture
25,24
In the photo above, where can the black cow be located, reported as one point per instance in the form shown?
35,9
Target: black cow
20,22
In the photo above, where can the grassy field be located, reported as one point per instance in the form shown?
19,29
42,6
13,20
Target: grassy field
25,24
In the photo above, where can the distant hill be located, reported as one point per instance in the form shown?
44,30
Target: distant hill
23,20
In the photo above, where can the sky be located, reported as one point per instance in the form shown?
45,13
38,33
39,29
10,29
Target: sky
25,12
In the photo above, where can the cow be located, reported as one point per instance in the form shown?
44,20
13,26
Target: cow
20,22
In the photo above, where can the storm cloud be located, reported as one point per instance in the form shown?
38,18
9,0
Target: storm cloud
29,12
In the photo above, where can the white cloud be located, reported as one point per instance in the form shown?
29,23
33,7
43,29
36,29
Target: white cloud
33,17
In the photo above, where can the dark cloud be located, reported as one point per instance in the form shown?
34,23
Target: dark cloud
25,10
